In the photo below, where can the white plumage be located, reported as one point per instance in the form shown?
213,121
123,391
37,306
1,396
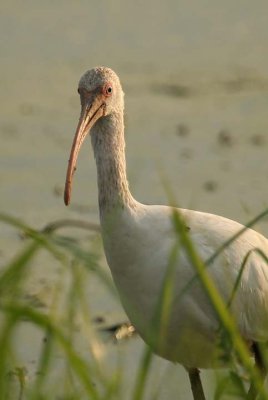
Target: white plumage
139,240
138,253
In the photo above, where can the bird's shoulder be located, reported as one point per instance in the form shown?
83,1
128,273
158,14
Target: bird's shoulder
204,228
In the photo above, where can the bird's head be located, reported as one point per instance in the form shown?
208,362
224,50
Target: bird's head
101,86
101,95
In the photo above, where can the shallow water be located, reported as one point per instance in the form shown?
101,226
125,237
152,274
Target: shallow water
196,84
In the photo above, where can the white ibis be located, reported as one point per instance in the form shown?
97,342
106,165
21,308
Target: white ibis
139,240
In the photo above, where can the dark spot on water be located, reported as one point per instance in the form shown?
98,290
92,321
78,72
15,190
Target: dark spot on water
182,130
173,90
99,319
258,139
243,83
210,186
225,138
112,328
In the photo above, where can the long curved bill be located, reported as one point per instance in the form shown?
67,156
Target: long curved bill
92,109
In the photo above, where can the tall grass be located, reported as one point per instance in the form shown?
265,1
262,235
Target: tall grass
83,377
78,376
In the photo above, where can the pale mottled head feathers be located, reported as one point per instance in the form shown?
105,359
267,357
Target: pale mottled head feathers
95,79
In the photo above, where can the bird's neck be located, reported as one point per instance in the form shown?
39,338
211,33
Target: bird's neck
109,150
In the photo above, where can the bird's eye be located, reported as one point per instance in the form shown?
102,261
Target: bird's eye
108,90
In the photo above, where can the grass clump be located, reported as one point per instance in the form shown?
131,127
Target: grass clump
66,369
56,323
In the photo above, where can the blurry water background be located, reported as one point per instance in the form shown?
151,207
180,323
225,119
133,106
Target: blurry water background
195,76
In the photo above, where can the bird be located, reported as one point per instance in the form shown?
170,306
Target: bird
140,240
